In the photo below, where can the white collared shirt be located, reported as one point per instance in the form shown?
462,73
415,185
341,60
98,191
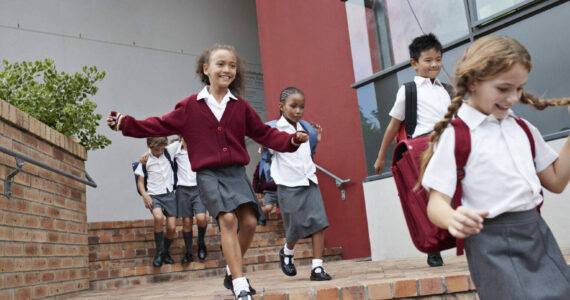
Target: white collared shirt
186,177
433,101
500,174
216,108
160,178
293,168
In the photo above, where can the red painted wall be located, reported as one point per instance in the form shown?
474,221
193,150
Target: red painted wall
306,44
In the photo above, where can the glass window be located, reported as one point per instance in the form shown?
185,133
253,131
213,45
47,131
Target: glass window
487,8
403,20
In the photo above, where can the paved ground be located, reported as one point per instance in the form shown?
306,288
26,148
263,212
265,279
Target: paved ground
364,277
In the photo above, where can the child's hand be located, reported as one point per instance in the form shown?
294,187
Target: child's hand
259,196
300,137
144,158
465,222
319,131
378,166
147,201
113,120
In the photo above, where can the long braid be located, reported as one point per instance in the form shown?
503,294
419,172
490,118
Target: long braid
440,127
540,104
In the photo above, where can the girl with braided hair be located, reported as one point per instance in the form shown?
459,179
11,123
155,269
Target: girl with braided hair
510,250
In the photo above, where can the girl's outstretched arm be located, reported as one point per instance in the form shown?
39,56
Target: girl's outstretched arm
461,222
556,176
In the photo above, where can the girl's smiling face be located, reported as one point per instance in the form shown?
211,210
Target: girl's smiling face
221,68
293,108
497,95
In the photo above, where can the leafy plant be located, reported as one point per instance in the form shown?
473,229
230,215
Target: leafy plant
58,99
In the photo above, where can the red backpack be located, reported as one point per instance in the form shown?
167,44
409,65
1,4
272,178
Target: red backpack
427,237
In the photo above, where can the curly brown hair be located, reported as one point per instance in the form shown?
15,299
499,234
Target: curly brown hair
485,59
237,86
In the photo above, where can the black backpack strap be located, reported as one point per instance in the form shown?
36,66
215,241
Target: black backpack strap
411,116
173,165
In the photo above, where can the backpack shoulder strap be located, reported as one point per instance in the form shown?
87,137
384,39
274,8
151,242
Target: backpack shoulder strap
449,89
526,130
462,150
411,116
173,165
313,138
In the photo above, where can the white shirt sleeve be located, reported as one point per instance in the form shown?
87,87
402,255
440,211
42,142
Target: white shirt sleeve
173,148
441,171
399,109
545,155
139,170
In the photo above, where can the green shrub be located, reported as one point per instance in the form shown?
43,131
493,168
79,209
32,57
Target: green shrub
59,100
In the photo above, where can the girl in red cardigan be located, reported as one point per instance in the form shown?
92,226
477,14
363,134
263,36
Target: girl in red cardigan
217,120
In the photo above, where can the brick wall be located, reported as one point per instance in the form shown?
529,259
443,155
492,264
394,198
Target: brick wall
43,226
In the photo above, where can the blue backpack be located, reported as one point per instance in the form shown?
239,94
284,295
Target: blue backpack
174,166
265,163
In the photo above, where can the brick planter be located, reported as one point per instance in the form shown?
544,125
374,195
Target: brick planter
43,226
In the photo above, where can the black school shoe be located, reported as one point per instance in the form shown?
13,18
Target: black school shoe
320,276
188,258
167,259
288,269
157,260
434,259
244,295
228,284
202,252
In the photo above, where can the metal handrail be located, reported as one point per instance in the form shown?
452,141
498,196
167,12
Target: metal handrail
339,182
20,158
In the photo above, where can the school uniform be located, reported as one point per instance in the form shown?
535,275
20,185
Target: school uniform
298,194
432,99
160,183
219,130
515,256
187,193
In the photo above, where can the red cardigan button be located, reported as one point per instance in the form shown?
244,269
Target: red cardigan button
225,149
219,129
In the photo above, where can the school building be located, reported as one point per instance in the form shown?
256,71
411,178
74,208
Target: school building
349,58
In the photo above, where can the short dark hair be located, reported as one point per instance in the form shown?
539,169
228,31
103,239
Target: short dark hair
422,43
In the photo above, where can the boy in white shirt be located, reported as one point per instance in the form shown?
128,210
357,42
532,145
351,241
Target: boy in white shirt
432,102
158,196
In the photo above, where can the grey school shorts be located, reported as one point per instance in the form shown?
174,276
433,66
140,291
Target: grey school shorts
269,197
188,201
167,202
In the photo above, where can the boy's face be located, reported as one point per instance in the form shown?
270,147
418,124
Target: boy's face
428,64
157,151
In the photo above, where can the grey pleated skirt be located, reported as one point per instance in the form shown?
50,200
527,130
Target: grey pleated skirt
302,210
515,256
224,189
